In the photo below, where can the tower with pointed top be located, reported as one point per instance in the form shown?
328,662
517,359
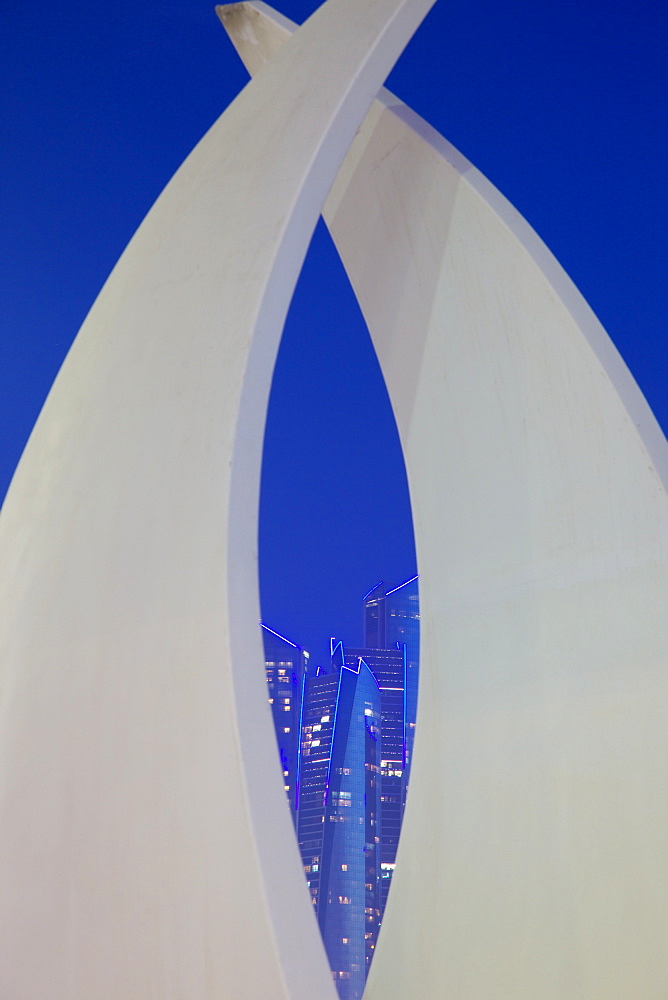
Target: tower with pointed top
338,814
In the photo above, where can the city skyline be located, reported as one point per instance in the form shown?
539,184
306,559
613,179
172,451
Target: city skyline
577,152
344,734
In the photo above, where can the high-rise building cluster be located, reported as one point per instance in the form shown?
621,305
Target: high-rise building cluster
345,739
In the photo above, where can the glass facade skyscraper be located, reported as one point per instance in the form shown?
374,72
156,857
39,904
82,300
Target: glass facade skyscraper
392,618
338,815
285,664
388,667
374,617
402,626
345,739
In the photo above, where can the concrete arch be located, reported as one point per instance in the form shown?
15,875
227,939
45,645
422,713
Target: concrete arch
533,857
144,843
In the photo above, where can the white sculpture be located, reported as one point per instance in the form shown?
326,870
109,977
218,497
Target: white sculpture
145,847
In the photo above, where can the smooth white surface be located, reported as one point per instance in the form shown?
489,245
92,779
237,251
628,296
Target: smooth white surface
145,847
533,862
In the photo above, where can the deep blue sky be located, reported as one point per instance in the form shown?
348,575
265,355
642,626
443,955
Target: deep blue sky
562,105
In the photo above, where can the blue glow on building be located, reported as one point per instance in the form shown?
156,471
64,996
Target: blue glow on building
345,735
402,625
388,666
285,667
375,587
392,621
278,635
339,815
298,754
400,587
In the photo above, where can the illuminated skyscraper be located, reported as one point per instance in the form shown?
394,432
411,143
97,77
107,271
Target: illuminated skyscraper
388,667
392,619
402,625
338,814
285,664
345,738
374,617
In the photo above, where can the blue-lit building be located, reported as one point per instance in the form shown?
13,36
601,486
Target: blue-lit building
345,738
374,617
402,625
388,667
285,665
392,619
338,814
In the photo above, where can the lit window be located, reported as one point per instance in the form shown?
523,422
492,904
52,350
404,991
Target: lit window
325,718
315,743
316,729
344,940
287,729
344,868
286,701
368,711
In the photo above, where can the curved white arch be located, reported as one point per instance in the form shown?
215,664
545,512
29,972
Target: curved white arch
145,848
533,861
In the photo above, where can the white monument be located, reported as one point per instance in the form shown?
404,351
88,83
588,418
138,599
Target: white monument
145,847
